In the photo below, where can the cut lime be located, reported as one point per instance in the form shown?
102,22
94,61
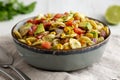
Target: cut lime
112,14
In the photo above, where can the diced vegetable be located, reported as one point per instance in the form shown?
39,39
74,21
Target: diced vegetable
40,29
90,35
95,34
89,26
69,23
78,31
32,30
58,15
46,45
33,21
86,25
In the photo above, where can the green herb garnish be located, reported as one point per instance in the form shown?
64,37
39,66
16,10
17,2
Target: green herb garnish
13,7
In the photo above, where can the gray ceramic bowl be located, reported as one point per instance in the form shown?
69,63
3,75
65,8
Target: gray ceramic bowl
60,60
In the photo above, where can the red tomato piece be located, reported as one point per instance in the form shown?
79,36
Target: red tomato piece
42,20
66,13
77,18
30,33
33,21
78,31
58,15
34,28
46,45
36,21
30,21
46,24
69,23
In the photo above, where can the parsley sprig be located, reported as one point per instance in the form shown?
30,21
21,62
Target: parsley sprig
13,7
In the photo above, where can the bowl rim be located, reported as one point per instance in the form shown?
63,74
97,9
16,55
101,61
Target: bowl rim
58,51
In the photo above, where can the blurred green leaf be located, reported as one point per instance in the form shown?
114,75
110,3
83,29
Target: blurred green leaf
3,15
26,9
13,7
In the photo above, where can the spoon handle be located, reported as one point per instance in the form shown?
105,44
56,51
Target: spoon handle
20,73
4,72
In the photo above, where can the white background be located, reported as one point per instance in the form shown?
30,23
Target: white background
92,8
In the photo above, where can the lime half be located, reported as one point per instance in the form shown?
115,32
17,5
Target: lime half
112,14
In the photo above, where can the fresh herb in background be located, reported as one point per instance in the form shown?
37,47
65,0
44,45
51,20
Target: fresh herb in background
13,7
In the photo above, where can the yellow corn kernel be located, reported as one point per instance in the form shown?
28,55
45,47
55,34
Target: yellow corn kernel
53,33
28,42
71,19
83,43
63,35
76,15
90,35
66,46
67,30
59,46
49,15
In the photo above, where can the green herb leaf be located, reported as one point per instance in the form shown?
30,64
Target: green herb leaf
13,7
26,9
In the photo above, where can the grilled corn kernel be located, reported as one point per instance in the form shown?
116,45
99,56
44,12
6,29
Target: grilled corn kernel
66,46
67,30
63,35
59,46
53,33
71,19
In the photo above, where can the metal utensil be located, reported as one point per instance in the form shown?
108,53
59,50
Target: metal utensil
8,75
7,60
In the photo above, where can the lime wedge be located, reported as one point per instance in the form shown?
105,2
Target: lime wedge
112,14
